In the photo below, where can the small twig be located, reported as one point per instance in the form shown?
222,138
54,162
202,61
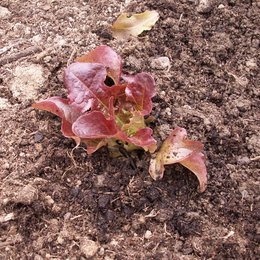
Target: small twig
152,214
230,234
76,217
44,53
165,230
20,54
71,58
255,158
155,248
180,18
7,48
6,218
70,154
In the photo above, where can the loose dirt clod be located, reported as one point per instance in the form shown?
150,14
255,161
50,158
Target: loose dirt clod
161,63
4,13
27,195
205,6
88,247
28,79
4,104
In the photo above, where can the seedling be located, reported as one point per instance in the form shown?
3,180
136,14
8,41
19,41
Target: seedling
106,107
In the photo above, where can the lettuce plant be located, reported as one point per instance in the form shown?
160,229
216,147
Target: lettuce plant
106,107
98,114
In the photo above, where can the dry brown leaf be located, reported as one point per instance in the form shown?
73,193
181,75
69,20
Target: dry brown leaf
134,25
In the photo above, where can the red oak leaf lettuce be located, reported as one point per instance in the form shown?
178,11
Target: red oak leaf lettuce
108,58
97,114
178,149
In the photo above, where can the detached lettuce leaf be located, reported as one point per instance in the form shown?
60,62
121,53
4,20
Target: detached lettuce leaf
178,149
134,25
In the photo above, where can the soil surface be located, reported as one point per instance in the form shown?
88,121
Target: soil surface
56,203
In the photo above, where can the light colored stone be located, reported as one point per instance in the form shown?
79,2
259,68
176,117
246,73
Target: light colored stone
49,200
100,180
205,6
28,80
168,111
148,234
4,13
37,38
221,6
4,103
88,247
161,63
101,251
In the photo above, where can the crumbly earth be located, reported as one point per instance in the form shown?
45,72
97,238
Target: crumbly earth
60,203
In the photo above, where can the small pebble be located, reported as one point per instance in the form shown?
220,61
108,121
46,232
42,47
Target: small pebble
49,200
187,250
221,6
148,234
162,93
37,257
100,180
6,166
60,240
38,137
168,111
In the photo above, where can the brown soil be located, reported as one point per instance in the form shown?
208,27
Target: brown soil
52,200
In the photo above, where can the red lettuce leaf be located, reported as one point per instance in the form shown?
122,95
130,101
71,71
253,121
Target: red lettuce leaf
85,84
178,149
140,90
108,58
94,125
196,164
144,138
60,107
